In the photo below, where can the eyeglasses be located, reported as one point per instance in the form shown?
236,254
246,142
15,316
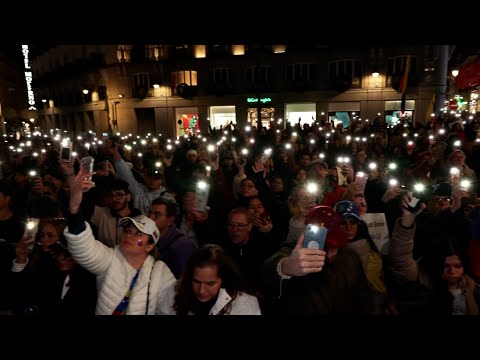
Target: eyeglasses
364,204
116,195
237,226
250,186
157,214
441,200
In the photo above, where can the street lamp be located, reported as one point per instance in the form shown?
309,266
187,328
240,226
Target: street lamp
115,122
50,105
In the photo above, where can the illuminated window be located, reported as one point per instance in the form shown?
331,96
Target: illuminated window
188,77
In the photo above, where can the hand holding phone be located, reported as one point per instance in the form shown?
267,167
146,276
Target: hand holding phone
31,229
66,151
412,203
315,236
87,163
201,195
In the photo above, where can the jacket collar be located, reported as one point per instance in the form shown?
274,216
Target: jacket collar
222,300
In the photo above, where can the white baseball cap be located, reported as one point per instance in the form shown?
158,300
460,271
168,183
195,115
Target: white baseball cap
144,224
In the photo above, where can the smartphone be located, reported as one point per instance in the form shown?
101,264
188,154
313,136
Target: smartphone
201,195
311,193
315,236
264,218
414,205
87,163
361,179
31,229
66,153
33,176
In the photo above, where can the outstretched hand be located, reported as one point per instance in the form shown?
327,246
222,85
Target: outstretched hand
408,217
391,193
78,185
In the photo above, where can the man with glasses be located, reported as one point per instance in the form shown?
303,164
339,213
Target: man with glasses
248,253
142,194
106,219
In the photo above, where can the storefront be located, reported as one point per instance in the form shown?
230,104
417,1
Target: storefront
393,111
267,113
221,116
343,112
187,121
304,113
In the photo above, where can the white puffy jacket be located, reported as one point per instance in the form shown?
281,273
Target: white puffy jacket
114,274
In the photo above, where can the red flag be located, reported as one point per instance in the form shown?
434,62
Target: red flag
404,79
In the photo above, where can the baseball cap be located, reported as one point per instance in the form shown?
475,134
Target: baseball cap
317,162
155,173
144,224
347,209
442,189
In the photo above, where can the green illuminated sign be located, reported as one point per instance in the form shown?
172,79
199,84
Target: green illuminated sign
255,100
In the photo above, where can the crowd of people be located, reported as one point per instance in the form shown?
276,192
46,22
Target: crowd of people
222,223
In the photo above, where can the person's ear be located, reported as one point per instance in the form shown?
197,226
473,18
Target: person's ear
150,246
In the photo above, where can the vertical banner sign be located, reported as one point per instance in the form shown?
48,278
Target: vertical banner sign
28,78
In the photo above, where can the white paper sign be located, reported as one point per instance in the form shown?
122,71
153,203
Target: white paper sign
378,230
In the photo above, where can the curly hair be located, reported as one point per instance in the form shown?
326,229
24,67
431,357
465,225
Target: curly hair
208,255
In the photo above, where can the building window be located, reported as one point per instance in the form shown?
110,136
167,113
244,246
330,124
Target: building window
346,67
156,52
396,67
219,50
260,73
123,53
299,72
141,85
220,75
344,74
219,81
188,77
181,50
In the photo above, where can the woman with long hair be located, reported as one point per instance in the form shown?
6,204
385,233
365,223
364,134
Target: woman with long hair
211,284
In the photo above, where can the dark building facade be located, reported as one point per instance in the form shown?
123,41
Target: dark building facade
13,92
176,89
